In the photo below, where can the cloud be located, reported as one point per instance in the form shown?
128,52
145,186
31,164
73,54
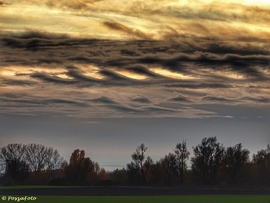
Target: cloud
214,67
99,78
75,73
198,85
41,101
41,34
143,70
141,99
12,82
180,98
265,100
112,75
104,100
30,44
218,99
71,4
126,52
125,29
63,101
121,109
54,79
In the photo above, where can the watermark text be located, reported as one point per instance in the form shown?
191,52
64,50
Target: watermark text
19,199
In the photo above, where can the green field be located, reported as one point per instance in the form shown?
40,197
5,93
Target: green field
146,199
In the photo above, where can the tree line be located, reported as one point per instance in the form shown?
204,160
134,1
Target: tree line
211,164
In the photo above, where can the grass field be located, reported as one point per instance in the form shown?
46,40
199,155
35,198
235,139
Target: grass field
128,199
144,199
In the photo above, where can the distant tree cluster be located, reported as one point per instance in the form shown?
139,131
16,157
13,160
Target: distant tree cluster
32,163
82,170
211,164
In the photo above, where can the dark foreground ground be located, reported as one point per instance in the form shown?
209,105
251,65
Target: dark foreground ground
133,191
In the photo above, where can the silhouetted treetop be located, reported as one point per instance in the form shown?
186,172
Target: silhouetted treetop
207,158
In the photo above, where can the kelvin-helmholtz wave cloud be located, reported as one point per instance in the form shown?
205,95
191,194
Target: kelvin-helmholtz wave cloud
156,59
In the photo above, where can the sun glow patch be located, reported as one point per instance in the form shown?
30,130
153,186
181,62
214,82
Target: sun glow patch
234,75
63,76
91,71
170,74
7,73
131,75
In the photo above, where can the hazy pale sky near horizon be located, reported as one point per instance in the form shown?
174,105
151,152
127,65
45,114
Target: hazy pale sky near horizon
106,76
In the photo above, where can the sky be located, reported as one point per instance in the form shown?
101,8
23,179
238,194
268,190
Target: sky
105,76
